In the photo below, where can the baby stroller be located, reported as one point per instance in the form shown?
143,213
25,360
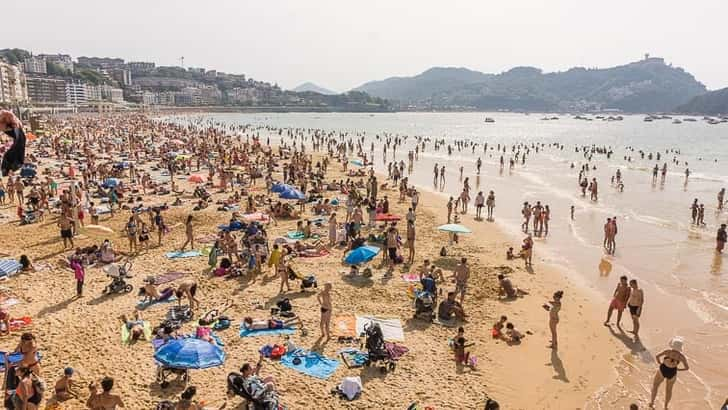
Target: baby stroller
163,373
424,306
118,275
236,387
377,351
306,281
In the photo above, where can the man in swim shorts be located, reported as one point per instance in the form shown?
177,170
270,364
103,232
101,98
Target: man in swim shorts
619,301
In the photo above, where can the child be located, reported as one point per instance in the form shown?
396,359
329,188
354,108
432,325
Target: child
461,356
498,327
509,253
64,385
512,334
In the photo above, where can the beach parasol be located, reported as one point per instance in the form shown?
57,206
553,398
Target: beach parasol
278,188
292,193
453,228
190,353
361,254
387,217
196,178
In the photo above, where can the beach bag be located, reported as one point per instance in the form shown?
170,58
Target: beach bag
284,305
277,352
350,387
222,323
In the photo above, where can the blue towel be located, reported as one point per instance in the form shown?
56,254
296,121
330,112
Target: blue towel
312,363
14,358
266,332
143,304
9,266
295,235
186,254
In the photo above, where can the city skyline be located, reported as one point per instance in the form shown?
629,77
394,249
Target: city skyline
341,46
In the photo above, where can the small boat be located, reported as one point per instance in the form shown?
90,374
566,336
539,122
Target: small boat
676,121
648,119
689,119
554,118
488,119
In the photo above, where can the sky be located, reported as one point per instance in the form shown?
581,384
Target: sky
341,44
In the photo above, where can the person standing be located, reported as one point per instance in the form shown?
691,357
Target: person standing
324,299
479,203
189,233
461,276
619,301
449,209
79,274
66,230
333,225
415,200
490,204
411,242
634,303
671,359
721,238
721,199
554,307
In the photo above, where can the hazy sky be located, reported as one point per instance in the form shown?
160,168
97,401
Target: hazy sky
341,44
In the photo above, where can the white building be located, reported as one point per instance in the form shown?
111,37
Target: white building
109,93
35,65
13,87
93,93
76,93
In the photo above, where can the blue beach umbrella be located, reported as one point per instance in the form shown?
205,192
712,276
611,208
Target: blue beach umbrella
111,182
292,193
190,353
278,188
453,228
361,254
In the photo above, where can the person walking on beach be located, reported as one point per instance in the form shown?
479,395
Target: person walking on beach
694,210
554,307
449,209
593,190
189,233
80,274
161,227
526,212
634,303
411,241
461,276
131,233
619,301
66,226
721,199
479,204
333,225
490,204
721,238
669,366
324,299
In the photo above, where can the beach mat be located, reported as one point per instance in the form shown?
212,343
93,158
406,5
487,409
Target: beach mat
344,326
266,332
322,252
312,363
126,334
19,323
167,277
9,266
144,304
391,328
182,255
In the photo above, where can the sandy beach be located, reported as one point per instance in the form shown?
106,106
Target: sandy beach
84,333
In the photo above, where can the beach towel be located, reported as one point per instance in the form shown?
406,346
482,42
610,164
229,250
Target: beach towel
391,328
209,238
143,304
15,358
167,277
322,252
395,351
9,266
295,235
101,210
344,326
182,255
311,363
19,323
353,358
411,277
126,334
266,332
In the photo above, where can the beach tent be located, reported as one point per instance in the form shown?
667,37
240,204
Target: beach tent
278,188
292,193
190,353
361,254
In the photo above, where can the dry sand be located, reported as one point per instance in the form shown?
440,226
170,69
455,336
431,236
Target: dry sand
84,333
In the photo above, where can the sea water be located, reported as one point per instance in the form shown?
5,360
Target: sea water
684,279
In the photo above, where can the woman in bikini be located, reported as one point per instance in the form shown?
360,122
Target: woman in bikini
131,233
554,307
671,358
25,393
189,232
29,349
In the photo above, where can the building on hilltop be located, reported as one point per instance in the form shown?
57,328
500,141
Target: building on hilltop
62,60
13,87
35,65
101,62
138,67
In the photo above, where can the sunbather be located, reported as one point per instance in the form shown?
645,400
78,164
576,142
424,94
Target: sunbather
135,327
271,323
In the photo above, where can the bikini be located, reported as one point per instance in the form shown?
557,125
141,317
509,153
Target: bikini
668,372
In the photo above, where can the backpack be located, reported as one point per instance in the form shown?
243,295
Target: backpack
284,305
